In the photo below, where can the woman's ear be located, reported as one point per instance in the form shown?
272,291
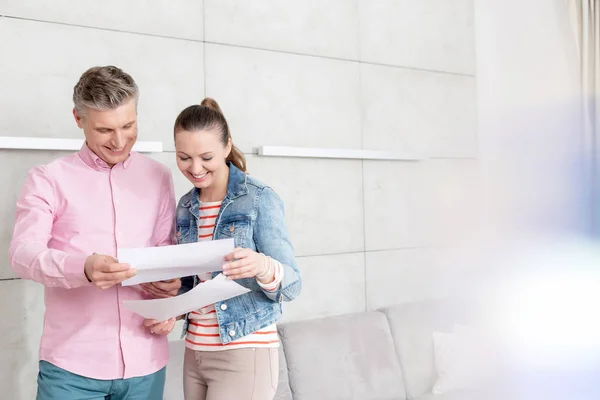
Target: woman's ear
228,147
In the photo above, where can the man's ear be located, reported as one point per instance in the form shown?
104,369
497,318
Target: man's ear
77,118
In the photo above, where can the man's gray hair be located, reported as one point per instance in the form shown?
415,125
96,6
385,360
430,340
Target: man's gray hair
104,88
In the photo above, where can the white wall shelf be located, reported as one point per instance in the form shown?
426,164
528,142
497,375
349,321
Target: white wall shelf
33,143
355,154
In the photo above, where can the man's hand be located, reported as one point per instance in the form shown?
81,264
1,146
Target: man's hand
160,328
104,271
163,289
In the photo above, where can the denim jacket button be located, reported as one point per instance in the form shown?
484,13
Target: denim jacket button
232,333
223,307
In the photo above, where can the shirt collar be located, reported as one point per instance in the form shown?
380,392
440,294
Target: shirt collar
95,162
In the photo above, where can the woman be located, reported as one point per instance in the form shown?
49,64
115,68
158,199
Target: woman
231,346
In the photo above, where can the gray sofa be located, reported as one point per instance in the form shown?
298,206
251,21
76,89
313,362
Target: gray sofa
378,355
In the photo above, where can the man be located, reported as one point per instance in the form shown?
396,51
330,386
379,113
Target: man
72,217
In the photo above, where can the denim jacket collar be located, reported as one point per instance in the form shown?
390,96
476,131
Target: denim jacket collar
236,187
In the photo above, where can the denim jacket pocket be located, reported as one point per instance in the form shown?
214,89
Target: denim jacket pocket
182,234
237,228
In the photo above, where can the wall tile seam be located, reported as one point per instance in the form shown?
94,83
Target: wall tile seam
361,62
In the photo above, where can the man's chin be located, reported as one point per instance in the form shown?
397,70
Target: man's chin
114,160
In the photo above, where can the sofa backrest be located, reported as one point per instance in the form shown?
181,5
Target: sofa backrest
283,388
412,326
344,357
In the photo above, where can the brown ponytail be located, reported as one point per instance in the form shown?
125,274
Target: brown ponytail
237,158
212,104
208,115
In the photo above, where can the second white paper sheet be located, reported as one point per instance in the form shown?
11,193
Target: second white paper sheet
209,292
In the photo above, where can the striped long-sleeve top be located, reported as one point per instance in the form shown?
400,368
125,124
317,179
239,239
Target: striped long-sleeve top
203,328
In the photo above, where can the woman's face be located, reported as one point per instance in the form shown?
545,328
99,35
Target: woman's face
201,156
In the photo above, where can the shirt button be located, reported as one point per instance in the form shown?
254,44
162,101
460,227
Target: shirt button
232,333
223,306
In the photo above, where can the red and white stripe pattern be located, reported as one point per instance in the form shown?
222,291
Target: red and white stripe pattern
203,328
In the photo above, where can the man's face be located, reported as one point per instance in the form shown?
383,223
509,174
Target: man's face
110,134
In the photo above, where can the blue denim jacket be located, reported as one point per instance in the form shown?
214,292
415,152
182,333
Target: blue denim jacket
253,215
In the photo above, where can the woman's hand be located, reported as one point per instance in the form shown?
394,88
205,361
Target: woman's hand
246,263
160,328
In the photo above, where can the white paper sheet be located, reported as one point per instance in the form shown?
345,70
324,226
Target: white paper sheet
209,292
168,262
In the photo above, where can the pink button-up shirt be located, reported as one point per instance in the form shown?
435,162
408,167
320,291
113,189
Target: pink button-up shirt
69,209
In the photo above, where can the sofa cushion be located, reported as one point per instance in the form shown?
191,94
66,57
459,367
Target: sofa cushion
283,387
460,395
344,357
412,326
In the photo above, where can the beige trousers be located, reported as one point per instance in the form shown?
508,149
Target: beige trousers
238,374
